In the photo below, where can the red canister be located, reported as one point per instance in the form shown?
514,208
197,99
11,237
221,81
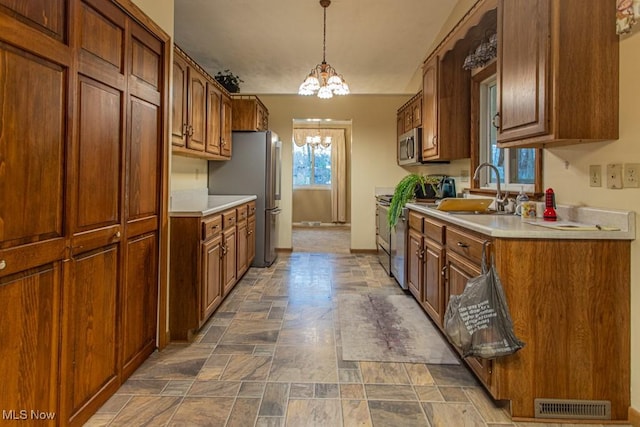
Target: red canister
549,204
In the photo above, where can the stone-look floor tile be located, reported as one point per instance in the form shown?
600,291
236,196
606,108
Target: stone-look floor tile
251,389
244,412
486,406
133,386
276,313
345,364
264,350
251,316
349,376
114,404
326,391
383,373
251,332
243,367
270,422
147,411
310,335
212,336
352,391
304,363
234,349
213,368
174,363
314,412
356,413
419,374
203,411
99,420
177,388
389,392
452,414
429,394
274,400
453,394
390,413
455,375
214,388
302,391
254,307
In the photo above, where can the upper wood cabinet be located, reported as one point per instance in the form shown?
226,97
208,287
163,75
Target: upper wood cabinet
201,112
410,114
249,113
446,113
558,66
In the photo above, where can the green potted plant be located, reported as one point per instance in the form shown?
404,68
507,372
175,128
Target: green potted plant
229,81
406,190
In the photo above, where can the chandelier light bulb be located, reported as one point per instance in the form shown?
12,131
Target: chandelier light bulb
324,93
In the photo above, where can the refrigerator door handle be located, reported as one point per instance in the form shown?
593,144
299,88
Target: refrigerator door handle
275,211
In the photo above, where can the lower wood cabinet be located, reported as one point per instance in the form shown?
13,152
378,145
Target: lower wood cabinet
204,267
568,300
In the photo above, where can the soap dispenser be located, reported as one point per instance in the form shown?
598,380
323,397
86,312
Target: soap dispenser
521,198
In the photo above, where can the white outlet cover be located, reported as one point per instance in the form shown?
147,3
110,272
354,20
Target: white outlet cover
595,175
631,175
614,176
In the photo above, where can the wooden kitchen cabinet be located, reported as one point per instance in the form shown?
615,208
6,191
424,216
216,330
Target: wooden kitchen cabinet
201,112
553,287
229,251
249,113
243,240
433,276
211,263
415,266
446,110
251,239
557,73
410,114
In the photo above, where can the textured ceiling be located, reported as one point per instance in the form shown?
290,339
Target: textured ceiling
377,45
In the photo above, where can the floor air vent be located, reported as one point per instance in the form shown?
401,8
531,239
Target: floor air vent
575,409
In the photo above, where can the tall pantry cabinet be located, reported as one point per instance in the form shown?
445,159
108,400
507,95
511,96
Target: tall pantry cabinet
82,189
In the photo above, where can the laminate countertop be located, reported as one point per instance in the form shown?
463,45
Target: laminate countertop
198,204
579,222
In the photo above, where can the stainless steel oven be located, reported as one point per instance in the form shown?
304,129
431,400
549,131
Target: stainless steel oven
383,233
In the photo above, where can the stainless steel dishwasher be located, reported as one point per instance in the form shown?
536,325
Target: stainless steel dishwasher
398,249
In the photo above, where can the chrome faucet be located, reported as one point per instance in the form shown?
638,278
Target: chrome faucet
500,201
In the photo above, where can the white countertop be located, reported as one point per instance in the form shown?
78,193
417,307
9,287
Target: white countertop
199,203
512,226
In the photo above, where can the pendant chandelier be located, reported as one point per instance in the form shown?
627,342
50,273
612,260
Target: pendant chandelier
324,79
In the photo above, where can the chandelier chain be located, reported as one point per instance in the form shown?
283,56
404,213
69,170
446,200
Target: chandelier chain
324,36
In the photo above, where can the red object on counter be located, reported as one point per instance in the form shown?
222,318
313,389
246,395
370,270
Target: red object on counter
549,205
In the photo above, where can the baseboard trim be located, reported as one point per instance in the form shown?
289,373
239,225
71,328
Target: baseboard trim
364,251
286,250
634,417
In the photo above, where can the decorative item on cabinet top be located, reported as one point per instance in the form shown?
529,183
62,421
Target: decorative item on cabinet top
230,81
627,13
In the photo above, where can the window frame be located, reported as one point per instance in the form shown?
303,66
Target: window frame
478,78
312,185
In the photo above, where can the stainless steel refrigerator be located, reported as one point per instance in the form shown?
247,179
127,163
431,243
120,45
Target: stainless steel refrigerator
254,168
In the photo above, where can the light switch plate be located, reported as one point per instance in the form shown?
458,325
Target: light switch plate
595,175
614,176
631,177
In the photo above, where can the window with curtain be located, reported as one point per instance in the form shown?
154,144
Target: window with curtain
311,166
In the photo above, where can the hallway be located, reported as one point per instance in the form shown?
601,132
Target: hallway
271,356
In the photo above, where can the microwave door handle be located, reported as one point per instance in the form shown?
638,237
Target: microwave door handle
410,153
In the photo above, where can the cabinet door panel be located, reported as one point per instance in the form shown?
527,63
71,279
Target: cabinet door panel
144,156
229,260
99,156
241,263
32,117
522,68
47,15
30,315
434,286
179,106
430,109
138,301
89,341
251,240
214,101
102,36
211,277
197,110
146,60
416,264
225,132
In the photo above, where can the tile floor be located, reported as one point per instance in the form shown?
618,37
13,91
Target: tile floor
271,356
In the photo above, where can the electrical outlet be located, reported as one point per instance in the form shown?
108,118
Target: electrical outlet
595,175
631,178
614,176
464,175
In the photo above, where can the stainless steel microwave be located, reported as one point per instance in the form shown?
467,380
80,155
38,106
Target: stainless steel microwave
410,147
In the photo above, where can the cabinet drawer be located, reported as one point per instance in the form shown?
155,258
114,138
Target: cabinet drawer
211,226
251,208
229,219
415,221
242,212
434,230
467,245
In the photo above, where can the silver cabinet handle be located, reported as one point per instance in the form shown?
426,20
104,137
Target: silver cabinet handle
495,121
117,235
462,245
3,264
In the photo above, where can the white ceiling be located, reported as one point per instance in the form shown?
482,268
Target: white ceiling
377,45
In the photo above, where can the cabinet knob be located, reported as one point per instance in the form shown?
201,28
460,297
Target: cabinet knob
117,235
444,271
495,121
185,128
3,264
462,245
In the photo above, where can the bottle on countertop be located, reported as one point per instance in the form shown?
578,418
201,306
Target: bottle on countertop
522,197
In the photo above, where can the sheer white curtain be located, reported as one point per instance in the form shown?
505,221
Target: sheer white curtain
338,165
